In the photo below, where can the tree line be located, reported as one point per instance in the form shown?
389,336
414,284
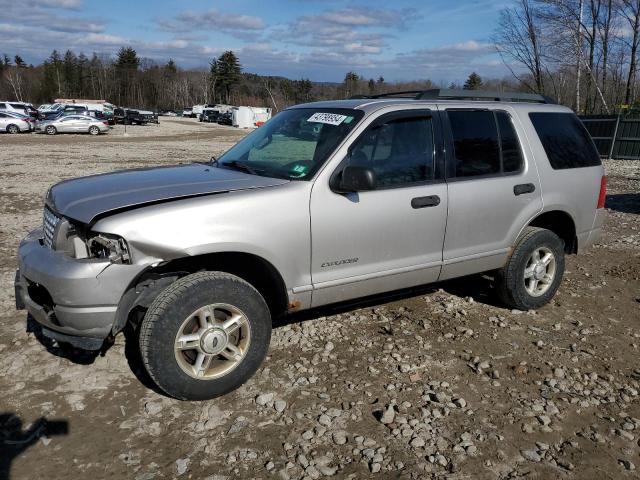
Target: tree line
582,52
129,80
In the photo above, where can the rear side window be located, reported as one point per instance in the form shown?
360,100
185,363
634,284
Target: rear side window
565,140
485,143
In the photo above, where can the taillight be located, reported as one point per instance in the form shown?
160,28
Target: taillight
603,192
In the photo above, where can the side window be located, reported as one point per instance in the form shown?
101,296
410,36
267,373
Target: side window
512,160
400,152
485,143
565,140
475,142
3,106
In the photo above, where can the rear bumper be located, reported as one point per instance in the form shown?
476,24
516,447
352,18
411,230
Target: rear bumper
74,298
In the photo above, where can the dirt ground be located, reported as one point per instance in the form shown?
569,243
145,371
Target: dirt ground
440,382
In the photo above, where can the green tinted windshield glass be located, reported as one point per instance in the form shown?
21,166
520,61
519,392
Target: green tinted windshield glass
293,144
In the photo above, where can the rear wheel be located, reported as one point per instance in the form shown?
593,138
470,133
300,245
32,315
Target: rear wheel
51,130
13,129
93,130
534,272
205,335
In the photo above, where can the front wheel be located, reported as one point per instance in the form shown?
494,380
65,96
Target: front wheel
533,273
51,130
13,129
205,335
94,130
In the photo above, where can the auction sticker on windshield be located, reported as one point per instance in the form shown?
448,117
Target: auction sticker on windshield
328,118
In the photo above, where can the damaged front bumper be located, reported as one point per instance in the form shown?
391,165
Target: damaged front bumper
74,300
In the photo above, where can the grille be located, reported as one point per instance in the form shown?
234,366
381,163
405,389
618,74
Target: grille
49,224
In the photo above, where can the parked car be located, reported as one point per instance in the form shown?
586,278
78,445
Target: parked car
73,124
390,194
210,115
187,112
225,119
63,110
75,109
30,120
118,115
133,117
19,107
151,117
10,123
103,117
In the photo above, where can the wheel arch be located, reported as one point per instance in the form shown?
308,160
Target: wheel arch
255,270
562,224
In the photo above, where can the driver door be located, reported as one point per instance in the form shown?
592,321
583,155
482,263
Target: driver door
392,237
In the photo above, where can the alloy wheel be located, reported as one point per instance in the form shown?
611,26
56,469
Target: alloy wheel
540,271
212,341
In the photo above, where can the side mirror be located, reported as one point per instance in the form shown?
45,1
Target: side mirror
357,179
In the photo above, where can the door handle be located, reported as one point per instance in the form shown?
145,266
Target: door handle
524,188
423,202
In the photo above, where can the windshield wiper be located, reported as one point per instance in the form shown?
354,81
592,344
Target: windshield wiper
243,167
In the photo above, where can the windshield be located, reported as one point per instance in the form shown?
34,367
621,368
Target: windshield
294,144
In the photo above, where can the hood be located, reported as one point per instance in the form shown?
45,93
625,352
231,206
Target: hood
87,198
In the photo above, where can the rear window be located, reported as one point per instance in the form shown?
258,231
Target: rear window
565,140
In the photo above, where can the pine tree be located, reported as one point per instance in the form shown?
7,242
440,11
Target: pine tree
351,80
226,71
170,68
127,59
70,73
474,82
372,86
19,62
126,66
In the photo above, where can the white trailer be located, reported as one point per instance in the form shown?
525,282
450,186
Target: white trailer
250,117
197,110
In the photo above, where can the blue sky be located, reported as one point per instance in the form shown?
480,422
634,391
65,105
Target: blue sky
443,40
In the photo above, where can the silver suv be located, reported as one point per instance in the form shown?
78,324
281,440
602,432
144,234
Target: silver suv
326,202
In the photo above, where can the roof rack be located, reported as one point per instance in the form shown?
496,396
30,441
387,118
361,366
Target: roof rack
474,95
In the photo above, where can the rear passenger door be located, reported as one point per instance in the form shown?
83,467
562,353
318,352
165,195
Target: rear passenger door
494,189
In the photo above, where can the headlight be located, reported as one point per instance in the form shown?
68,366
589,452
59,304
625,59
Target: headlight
86,244
109,247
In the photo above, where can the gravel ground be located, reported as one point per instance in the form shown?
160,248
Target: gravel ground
440,382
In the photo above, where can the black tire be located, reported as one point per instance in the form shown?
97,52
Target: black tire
165,316
510,281
13,129
51,130
94,130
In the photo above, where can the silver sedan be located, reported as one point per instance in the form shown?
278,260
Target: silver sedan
73,124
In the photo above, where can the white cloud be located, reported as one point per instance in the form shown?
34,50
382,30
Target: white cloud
211,19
